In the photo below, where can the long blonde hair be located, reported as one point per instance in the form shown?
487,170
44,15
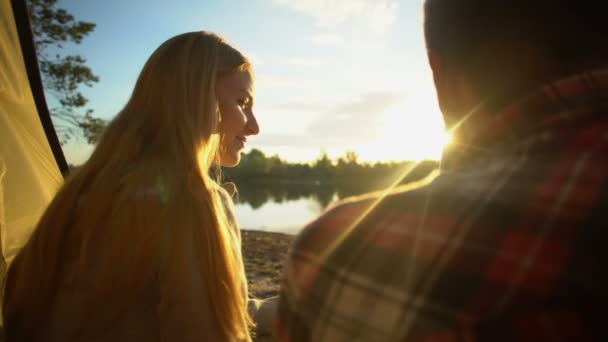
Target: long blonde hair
145,188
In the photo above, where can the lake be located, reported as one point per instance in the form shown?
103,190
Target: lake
287,205
287,217
284,208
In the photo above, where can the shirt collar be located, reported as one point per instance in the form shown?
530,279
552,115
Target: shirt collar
549,107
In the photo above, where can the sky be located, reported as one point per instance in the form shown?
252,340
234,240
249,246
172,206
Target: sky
331,75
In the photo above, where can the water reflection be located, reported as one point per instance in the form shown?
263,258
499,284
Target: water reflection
281,206
288,205
257,194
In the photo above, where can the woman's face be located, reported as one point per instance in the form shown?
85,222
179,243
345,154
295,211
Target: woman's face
237,122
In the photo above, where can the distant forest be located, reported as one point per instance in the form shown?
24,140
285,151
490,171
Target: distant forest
322,178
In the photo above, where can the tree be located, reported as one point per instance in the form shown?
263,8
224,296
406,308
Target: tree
62,73
323,167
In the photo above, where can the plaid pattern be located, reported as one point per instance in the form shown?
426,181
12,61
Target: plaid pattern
507,243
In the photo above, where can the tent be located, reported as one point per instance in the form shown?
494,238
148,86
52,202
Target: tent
32,163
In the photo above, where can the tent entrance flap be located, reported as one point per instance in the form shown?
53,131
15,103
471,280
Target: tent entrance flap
31,160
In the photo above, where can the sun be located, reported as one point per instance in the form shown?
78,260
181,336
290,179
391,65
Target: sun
412,130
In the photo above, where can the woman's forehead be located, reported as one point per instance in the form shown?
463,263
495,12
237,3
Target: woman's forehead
237,81
242,81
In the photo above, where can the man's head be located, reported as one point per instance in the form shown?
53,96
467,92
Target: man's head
493,50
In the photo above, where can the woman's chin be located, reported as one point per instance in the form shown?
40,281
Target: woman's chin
231,161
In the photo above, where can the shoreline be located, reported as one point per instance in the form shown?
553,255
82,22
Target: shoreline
264,255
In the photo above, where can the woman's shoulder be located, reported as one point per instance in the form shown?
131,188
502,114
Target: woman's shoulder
226,192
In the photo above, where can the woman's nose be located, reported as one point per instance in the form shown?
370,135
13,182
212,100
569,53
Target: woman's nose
252,127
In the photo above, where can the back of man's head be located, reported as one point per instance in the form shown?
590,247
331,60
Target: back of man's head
504,44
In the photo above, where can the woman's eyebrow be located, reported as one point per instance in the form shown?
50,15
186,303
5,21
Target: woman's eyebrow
248,93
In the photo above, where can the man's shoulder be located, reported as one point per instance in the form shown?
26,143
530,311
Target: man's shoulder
436,200
341,218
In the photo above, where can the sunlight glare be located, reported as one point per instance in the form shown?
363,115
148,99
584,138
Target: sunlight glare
412,130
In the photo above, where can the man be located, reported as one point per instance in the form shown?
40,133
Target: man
509,241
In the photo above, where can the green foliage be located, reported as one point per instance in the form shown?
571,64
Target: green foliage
62,73
323,167
346,176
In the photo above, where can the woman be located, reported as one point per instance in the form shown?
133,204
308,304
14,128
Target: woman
140,243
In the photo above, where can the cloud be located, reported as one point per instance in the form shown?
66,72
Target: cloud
379,125
354,121
327,39
374,15
349,123
361,106
302,107
303,62
269,82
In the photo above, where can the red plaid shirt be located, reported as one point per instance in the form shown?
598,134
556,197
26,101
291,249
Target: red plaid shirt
510,243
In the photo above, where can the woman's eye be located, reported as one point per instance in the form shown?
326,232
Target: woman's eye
243,103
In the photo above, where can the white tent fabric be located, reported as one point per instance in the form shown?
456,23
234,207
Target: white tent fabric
29,174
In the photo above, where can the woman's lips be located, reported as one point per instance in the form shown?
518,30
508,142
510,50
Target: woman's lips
242,140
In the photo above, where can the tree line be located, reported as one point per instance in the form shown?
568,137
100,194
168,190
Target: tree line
345,175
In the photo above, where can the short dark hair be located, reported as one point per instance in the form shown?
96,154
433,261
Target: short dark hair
494,41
